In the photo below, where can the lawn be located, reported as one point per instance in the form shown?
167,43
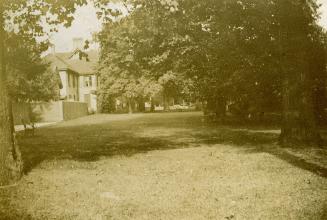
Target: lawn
164,166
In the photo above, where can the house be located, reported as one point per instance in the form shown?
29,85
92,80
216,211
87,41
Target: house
77,74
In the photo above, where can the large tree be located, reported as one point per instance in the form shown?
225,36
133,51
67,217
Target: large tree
256,55
23,19
299,45
30,77
260,55
131,63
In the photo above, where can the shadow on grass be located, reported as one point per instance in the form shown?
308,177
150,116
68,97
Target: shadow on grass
259,142
89,141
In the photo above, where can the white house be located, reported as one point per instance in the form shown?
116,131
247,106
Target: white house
77,74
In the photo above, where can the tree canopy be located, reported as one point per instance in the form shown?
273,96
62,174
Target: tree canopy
254,56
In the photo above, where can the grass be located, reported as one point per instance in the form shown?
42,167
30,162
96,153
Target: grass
164,166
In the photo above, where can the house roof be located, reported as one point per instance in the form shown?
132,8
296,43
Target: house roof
79,66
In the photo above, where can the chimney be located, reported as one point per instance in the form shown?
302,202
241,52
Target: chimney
77,43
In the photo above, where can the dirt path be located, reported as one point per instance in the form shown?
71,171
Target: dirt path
160,166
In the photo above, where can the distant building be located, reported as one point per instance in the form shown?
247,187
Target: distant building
77,74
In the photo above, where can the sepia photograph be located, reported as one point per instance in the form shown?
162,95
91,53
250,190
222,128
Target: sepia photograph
163,109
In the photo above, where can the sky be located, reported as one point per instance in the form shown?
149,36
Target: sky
86,23
323,11
83,26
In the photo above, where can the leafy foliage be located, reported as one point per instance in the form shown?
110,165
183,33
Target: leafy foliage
252,56
29,77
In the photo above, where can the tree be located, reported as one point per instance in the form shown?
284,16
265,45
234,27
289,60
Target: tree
297,28
126,65
29,77
261,49
258,55
118,70
23,18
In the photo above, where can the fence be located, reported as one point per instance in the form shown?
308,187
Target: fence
21,111
73,110
48,111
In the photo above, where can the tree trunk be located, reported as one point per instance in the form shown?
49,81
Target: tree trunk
299,125
10,158
141,104
209,106
220,108
166,102
130,107
152,105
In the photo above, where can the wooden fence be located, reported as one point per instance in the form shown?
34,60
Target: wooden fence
48,111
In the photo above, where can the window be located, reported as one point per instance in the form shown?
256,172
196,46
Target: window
88,81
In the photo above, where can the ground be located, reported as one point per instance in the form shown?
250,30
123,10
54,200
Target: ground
164,166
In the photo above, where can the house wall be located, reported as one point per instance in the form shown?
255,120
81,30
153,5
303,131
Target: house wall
84,90
73,86
93,104
81,88
70,83
64,81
